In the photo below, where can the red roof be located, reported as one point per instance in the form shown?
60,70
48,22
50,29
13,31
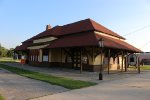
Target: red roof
78,34
116,43
50,32
84,26
76,27
21,47
91,39
77,40
103,29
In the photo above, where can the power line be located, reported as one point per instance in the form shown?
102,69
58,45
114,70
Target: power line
145,44
137,30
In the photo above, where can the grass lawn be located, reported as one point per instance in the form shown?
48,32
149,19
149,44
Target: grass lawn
1,98
7,59
145,67
61,81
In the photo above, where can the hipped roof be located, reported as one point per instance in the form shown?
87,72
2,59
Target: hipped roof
76,27
117,43
21,47
77,40
81,33
91,39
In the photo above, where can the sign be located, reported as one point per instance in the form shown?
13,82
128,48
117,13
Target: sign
22,57
132,59
22,61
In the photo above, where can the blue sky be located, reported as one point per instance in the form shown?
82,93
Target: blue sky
22,19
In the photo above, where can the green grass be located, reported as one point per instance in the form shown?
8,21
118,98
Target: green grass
7,59
1,98
145,67
61,81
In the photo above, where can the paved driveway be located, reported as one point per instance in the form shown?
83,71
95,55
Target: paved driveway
15,87
131,88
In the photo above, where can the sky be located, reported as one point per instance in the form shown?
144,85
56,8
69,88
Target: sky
22,19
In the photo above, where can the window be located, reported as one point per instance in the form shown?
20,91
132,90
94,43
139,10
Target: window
38,58
35,58
85,60
131,59
31,57
45,55
69,59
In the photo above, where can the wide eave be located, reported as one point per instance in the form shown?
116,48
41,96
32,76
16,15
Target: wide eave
92,39
81,34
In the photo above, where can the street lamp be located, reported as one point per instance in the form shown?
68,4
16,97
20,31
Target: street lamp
101,45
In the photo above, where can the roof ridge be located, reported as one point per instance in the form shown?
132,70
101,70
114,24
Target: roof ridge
75,22
75,27
94,23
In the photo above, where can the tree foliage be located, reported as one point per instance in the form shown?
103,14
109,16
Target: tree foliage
6,52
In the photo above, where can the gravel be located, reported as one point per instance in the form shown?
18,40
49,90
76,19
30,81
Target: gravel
15,87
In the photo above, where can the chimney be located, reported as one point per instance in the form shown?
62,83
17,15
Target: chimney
48,27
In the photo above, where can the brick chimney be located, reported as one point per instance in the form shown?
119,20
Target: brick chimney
48,27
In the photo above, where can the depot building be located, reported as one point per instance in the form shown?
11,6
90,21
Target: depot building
83,45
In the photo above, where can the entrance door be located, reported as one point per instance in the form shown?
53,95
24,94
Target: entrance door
76,58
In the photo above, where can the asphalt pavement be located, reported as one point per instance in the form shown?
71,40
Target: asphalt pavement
132,88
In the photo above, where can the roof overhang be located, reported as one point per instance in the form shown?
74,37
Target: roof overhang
37,47
92,39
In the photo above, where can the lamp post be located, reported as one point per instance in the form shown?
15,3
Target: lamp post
101,45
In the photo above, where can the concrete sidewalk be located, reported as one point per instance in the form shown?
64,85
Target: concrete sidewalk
120,86
132,88
75,74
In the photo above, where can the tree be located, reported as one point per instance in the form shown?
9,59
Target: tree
10,52
0,51
4,51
